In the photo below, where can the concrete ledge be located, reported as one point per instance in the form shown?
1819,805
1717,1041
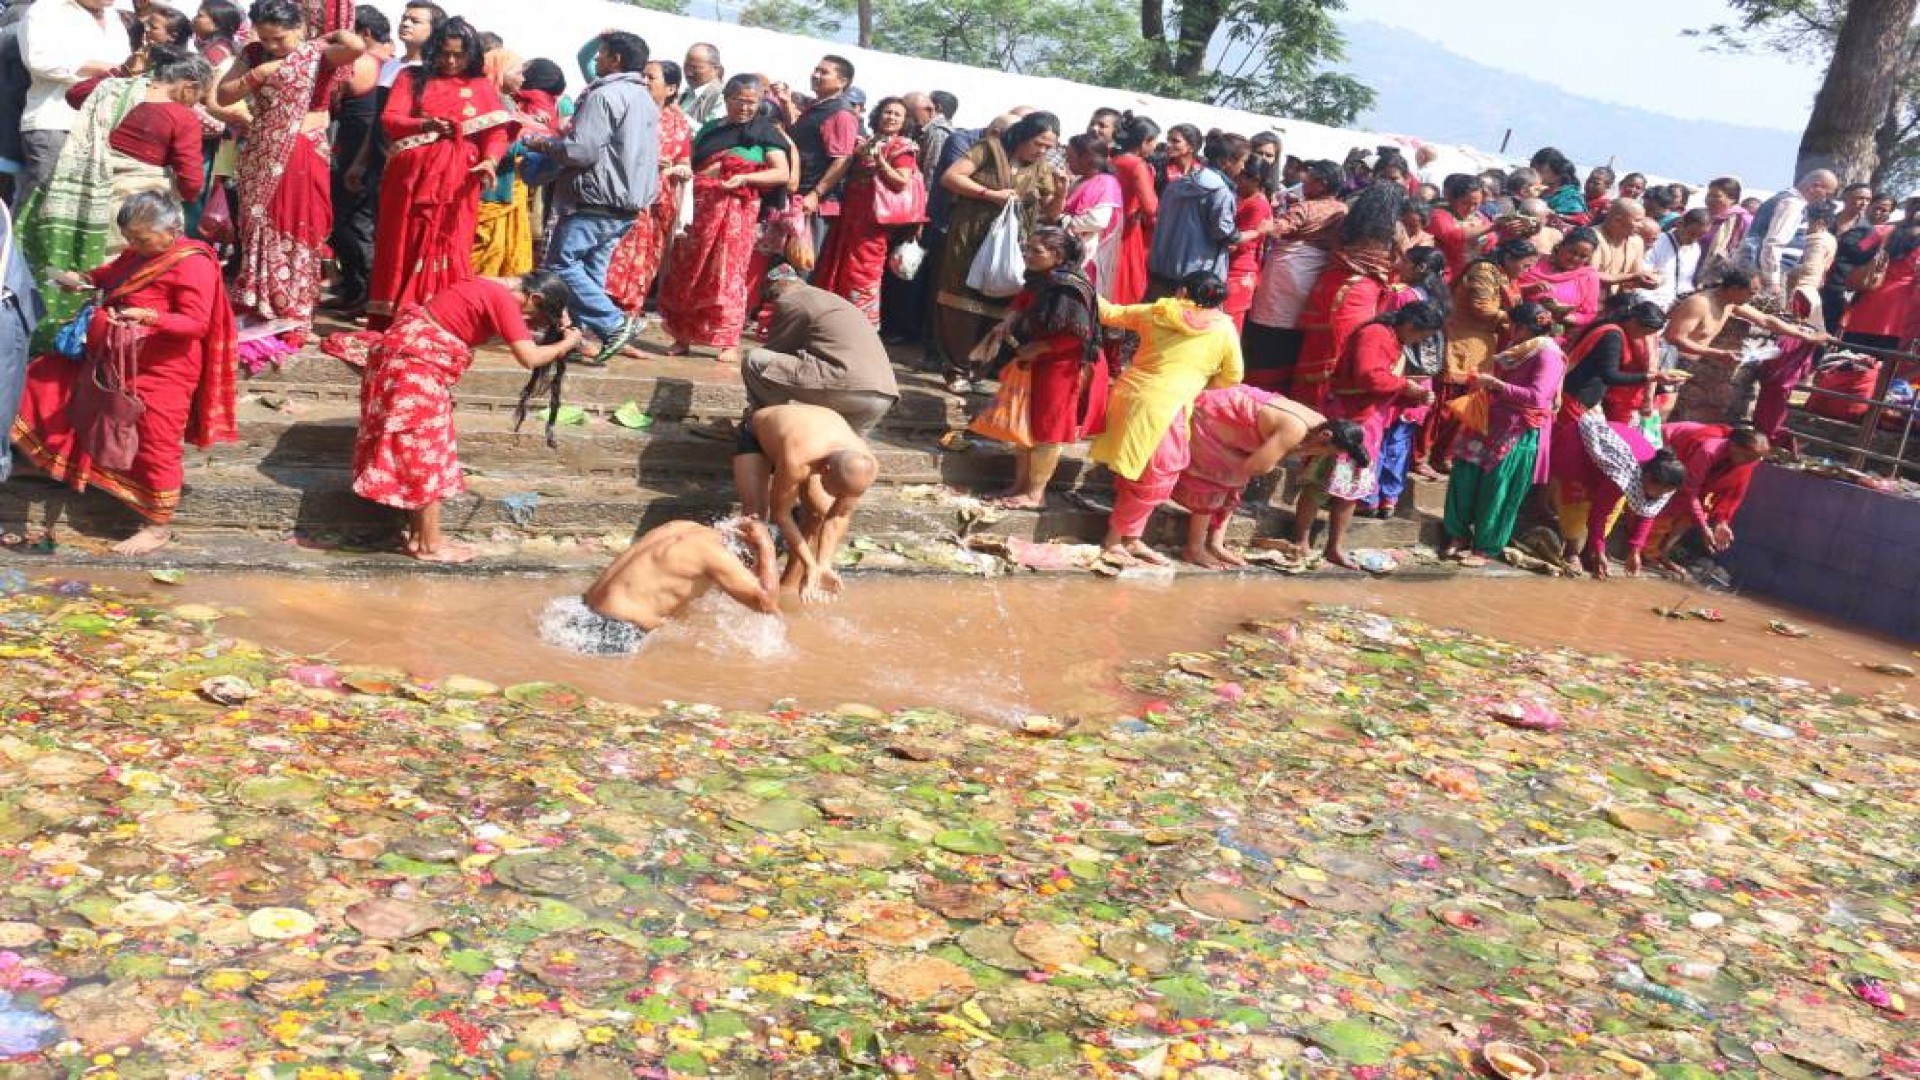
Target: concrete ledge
1830,546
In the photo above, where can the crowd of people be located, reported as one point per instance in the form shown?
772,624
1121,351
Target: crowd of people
1202,306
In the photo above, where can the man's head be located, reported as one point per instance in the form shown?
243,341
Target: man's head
418,23
849,472
371,23
781,280
1425,155
1819,185
920,110
702,65
1692,226
946,104
832,75
620,52
1623,217
1735,285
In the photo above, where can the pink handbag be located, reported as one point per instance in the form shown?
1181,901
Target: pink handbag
908,206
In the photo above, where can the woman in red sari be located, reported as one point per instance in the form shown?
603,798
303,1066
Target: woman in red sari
1055,332
735,160
1349,293
642,249
286,204
167,290
448,131
1139,208
405,455
854,261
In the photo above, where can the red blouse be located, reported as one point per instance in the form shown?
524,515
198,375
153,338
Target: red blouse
477,311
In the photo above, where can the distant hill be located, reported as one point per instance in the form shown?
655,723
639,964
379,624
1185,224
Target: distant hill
1426,91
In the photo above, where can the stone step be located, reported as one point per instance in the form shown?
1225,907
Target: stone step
672,389
321,434
319,502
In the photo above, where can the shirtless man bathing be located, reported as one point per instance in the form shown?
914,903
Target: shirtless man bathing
665,570
796,458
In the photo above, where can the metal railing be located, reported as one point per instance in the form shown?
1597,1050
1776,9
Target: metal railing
1868,440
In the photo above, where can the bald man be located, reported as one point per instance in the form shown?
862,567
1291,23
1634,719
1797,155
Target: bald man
793,454
655,579
1778,229
1621,256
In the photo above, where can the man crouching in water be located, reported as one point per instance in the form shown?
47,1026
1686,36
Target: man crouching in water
665,570
794,458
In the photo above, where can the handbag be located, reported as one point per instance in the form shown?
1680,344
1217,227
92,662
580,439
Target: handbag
103,410
216,220
998,269
1005,420
908,206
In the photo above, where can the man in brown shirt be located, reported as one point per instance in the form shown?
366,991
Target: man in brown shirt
821,350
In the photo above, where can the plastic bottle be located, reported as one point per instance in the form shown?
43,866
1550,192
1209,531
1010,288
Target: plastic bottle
1765,728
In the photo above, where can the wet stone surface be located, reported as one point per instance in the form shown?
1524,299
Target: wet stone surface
1340,845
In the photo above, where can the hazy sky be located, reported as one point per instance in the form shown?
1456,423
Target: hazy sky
1628,52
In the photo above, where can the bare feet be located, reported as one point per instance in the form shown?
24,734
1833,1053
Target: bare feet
1202,558
448,551
1425,472
679,348
1472,561
149,539
1226,554
1340,558
729,356
1138,549
1019,502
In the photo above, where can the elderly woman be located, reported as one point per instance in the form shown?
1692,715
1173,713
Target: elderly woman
138,134
165,330
447,131
1187,345
1566,282
995,172
738,161
642,250
286,207
1055,334
854,261
1301,240
1241,433
1495,468
1369,387
405,455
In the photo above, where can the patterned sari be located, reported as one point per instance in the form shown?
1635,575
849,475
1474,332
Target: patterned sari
854,261
68,220
704,297
286,206
640,252
405,455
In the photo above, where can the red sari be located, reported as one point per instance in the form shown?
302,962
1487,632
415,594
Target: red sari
185,377
286,205
429,193
1243,267
854,261
638,255
405,455
704,297
1349,293
1139,209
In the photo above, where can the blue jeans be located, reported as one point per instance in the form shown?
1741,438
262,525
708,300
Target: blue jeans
579,250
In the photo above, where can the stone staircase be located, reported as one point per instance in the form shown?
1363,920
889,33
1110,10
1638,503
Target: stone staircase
288,476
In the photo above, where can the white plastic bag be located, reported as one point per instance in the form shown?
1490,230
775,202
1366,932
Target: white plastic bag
906,259
998,269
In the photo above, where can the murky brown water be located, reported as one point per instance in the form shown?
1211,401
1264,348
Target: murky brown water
986,648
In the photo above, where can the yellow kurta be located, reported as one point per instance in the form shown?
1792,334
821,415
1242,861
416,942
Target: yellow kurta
1176,362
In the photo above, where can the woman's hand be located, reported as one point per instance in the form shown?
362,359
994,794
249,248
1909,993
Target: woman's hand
441,126
681,171
811,203
1489,383
72,281
734,183
997,196
137,316
1633,562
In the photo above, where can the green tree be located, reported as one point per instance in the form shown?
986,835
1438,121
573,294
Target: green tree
1264,56
1866,120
